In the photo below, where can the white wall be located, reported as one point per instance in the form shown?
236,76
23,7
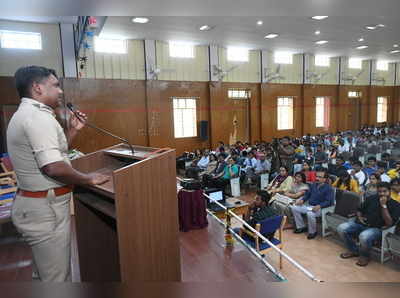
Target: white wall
50,56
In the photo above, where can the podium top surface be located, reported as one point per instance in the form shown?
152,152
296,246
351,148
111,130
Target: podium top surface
139,153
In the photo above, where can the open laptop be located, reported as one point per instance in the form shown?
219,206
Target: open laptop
215,195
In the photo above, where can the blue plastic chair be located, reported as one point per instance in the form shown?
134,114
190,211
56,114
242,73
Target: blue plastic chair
267,226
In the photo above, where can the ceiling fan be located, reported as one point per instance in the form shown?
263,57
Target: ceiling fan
272,76
352,79
221,73
314,77
154,71
376,78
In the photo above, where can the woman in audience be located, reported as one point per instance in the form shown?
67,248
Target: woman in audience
345,182
281,183
296,191
371,188
310,174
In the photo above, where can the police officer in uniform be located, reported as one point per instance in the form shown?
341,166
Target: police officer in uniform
38,147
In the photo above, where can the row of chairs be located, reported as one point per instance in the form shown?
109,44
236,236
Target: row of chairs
346,206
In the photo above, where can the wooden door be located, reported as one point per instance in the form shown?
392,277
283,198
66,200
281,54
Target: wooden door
6,112
354,114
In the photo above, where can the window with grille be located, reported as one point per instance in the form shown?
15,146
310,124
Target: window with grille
239,94
283,58
181,50
354,94
285,113
381,109
322,112
20,40
110,46
382,65
185,122
355,63
322,60
238,54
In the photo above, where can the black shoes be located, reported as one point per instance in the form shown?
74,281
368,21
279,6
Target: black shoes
312,236
299,231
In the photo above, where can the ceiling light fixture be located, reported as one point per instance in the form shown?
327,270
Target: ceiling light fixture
320,42
317,32
259,22
370,27
361,47
395,45
140,20
205,28
381,25
394,51
361,39
271,35
319,18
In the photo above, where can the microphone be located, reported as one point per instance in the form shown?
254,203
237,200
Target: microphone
71,107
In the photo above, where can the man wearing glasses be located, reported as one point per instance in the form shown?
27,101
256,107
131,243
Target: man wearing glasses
319,196
377,212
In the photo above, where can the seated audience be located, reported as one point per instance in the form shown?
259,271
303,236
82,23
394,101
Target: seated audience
310,174
204,160
231,170
394,173
345,182
395,189
296,191
376,212
371,166
262,166
357,173
382,173
371,188
281,183
211,166
320,157
219,168
319,196
259,209
338,167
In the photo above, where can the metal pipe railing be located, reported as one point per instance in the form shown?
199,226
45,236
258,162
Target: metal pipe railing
286,256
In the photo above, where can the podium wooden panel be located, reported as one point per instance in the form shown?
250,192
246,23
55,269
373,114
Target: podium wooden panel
127,229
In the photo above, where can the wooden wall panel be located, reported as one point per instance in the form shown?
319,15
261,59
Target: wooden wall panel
160,113
269,95
116,105
346,108
309,114
9,95
376,91
222,110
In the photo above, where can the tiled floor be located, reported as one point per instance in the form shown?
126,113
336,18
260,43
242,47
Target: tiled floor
321,257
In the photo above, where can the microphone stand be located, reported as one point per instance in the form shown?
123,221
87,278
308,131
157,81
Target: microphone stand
72,109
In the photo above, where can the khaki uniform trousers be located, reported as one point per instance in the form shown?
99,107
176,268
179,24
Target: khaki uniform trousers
45,224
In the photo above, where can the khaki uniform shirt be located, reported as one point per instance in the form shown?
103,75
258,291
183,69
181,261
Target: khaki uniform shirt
35,139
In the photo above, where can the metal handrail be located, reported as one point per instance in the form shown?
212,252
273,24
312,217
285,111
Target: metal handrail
287,257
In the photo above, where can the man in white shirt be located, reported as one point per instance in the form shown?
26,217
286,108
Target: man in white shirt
204,160
358,174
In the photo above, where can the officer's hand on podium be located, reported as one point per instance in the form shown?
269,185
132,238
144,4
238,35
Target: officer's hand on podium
97,179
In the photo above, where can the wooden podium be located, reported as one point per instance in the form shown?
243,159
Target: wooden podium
127,228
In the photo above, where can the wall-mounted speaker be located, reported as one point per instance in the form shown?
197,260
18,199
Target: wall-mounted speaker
204,130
